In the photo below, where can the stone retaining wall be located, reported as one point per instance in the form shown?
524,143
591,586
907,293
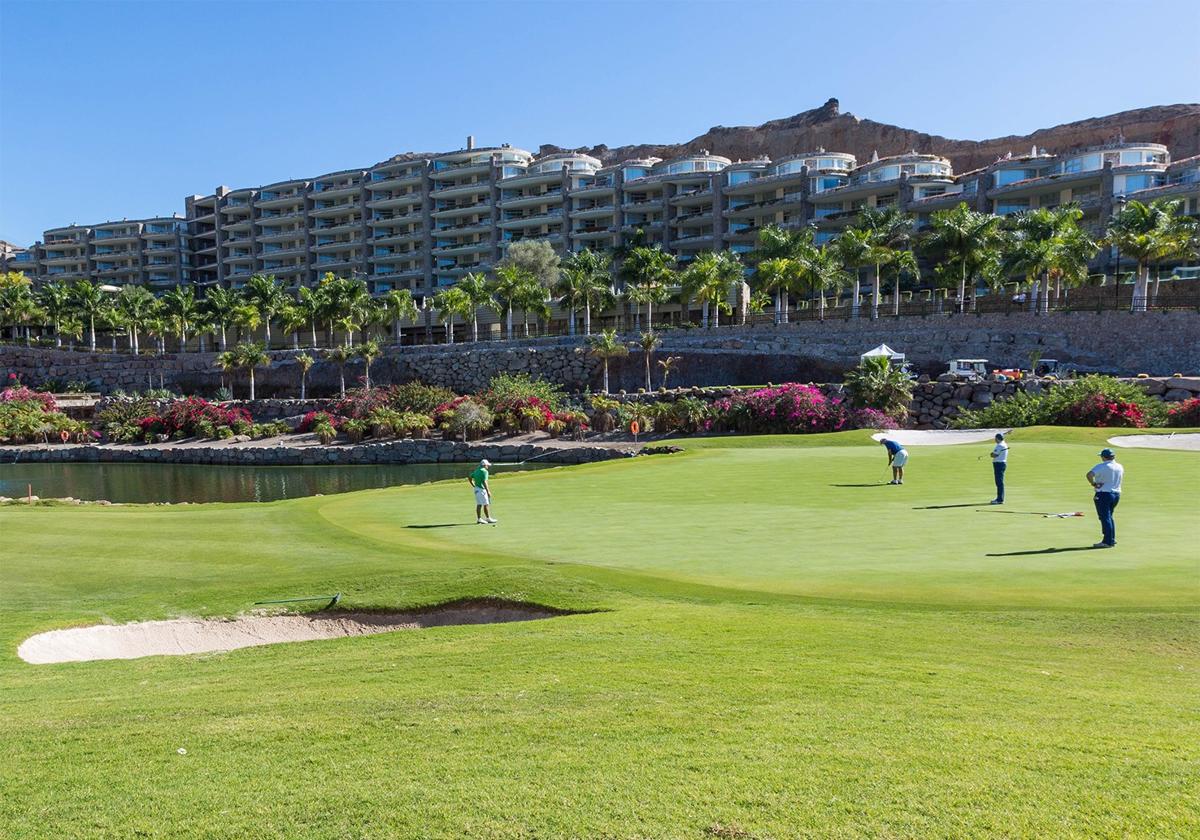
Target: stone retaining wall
382,452
1159,343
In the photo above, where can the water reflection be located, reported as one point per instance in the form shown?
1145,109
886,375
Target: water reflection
140,483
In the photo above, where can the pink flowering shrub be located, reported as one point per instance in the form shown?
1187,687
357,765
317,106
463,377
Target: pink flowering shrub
1186,413
19,393
1101,410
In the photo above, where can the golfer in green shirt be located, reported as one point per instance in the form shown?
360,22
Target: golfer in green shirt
483,493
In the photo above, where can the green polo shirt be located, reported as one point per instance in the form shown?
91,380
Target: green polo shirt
479,477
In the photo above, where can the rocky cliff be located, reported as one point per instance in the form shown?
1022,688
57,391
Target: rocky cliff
1175,126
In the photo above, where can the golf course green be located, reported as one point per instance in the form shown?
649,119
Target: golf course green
776,644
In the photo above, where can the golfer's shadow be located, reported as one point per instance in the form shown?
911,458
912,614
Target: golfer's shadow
440,525
877,484
1042,551
944,507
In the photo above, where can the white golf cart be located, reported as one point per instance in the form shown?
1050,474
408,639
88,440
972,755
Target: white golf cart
969,368
1053,367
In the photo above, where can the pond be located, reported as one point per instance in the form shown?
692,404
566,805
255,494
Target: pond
143,483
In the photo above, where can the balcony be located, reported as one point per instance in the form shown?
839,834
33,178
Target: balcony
532,221
550,197
339,227
340,208
398,237
643,205
339,245
464,228
337,189
283,252
386,201
272,235
392,180
481,207
272,216
595,212
463,248
461,190
237,224
277,200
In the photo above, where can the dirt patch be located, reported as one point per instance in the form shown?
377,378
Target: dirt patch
183,636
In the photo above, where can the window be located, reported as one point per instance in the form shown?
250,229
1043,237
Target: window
633,172
1133,183
740,177
826,182
1011,205
787,167
828,210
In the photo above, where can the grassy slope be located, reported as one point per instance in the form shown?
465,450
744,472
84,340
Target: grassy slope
778,655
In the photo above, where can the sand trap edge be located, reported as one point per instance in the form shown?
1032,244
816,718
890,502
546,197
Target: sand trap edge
1187,442
186,636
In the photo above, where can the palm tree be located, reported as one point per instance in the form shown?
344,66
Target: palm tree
19,308
963,236
220,305
477,289
854,250
293,318
91,305
819,271
340,356
648,341
606,346
71,327
1047,242
777,275
311,301
450,303
902,262
246,317
585,281
534,300
709,279
888,230
55,300
180,308
668,366
136,306
776,243
398,305
305,363
265,294
227,361
368,351
509,286
1146,232
651,269
250,355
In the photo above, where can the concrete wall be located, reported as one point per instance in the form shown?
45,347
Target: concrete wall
1158,343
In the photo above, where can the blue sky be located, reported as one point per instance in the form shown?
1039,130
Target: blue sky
112,110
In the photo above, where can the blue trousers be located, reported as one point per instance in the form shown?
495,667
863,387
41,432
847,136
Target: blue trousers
998,469
1106,503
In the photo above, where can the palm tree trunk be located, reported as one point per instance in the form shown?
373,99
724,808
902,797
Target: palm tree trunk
587,317
92,332
509,322
962,289
251,382
303,383
650,310
704,314
896,302
1044,303
854,299
367,373
223,341
875,294
475,326
716,319
1140,286
267,329
1153,296
342,378
296,340
313,324
778,307
647,360
606,374
571,322
450,332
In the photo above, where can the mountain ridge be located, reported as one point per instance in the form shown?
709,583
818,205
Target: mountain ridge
1175,126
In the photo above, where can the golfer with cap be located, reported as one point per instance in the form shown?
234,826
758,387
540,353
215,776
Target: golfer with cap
999,465
483,493
1106,477
897,458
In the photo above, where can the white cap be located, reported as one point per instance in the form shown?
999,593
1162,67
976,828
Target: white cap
485,463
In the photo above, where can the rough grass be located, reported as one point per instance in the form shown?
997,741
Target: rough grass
776,656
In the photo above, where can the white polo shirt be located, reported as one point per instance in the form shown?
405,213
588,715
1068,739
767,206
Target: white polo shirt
1000,453
1108,475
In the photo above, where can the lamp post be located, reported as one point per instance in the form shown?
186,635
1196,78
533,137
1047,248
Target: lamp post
1120,207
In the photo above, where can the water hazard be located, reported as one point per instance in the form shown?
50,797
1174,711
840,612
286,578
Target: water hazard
144,483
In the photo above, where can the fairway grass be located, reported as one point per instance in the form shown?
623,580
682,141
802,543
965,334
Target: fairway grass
781,646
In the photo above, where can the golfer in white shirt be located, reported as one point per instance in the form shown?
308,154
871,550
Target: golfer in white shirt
1106,477
999,465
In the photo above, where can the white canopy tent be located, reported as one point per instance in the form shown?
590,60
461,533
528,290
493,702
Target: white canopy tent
897,359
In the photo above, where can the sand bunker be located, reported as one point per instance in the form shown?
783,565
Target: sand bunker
183,636
1189,442
939,437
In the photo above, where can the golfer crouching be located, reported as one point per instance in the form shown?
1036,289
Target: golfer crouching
897,458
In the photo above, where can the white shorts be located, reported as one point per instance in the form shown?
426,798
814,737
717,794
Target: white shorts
900,459
481,496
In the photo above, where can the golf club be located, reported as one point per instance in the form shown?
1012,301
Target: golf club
332,599
526,461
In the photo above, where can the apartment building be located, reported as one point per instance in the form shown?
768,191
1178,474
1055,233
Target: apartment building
149,252
420,222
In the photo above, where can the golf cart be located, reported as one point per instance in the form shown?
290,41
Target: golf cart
969,368
1054,368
